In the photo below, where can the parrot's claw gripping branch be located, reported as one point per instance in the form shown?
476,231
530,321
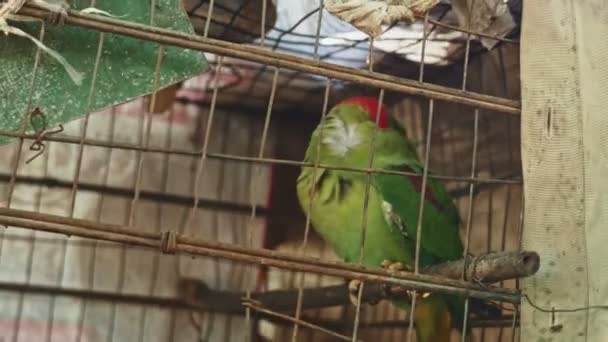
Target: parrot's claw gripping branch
395,266
354,285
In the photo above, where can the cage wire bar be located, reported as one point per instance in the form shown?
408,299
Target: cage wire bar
117,233
11,186
144,141
201,161
248,308
307,225
473,168
304,243
177,241
72,205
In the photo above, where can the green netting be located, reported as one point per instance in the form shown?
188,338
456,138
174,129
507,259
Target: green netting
126,69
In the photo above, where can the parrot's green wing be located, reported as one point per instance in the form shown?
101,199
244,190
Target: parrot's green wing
440,241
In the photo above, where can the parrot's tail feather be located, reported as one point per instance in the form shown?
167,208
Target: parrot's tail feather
433,320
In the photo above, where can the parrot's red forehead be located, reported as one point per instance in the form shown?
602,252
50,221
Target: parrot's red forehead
370,105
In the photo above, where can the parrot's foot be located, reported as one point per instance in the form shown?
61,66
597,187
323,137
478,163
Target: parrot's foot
353,291
395,266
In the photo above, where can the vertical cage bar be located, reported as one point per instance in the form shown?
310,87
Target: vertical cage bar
31,242
98,213
263,23
16,158
315,55
473,164
307,225
470,212
147,117
467,52
425,174
513,324
140,157
254,187
425,35
24,123
370,55
200,165
368,179
208,19
490,217
159,222
132,207
64,242
237,275
210,316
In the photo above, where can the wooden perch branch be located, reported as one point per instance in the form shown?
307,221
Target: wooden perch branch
489,268
486,268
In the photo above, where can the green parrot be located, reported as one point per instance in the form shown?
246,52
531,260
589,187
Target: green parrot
334,200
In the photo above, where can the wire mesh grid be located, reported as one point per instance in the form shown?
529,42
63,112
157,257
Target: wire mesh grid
125,177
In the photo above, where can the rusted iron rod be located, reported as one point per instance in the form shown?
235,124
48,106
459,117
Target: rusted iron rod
162,302
169,242
179,303
492,267
169,198
147,195
244,159
503,322
301,322
281,60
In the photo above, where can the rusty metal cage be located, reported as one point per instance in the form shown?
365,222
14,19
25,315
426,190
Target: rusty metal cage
185,227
